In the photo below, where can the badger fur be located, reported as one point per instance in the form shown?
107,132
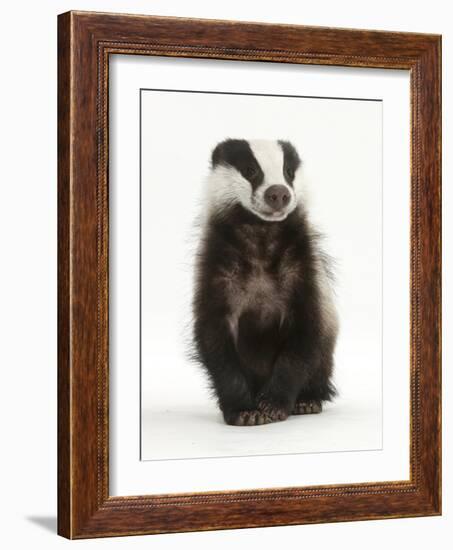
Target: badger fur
265,325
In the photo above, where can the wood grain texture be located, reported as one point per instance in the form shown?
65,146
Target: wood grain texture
86,40
64,368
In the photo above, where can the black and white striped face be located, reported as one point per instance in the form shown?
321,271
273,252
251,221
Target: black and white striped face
262,175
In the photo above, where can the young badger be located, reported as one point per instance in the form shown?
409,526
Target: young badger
264,322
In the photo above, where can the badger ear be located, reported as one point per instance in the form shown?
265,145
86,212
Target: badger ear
231,152
218,154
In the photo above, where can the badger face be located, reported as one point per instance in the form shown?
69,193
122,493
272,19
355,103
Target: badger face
259,174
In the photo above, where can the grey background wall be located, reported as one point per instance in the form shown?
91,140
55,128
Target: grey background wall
28,268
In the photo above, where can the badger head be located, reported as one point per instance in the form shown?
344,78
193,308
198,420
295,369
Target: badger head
261,175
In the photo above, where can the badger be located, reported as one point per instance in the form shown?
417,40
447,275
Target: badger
265,325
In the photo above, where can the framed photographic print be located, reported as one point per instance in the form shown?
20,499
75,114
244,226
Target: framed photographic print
249,275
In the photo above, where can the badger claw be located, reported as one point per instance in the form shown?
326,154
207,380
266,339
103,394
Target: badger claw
247,418
307,407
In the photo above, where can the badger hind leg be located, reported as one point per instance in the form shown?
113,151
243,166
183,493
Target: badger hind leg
319,388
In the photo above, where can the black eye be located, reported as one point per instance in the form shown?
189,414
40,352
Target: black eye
251,171
289,172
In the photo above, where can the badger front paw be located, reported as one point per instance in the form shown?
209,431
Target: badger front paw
246,418
272,411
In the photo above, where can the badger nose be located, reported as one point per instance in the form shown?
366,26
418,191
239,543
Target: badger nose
276,196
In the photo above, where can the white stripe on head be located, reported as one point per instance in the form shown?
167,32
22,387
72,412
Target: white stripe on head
270,157
227,186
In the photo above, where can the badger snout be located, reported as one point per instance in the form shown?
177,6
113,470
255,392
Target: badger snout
277,196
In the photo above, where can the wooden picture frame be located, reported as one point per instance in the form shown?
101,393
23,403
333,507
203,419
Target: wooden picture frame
85,42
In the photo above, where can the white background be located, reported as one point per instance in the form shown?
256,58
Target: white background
172,428
340,142
297,452
28,290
